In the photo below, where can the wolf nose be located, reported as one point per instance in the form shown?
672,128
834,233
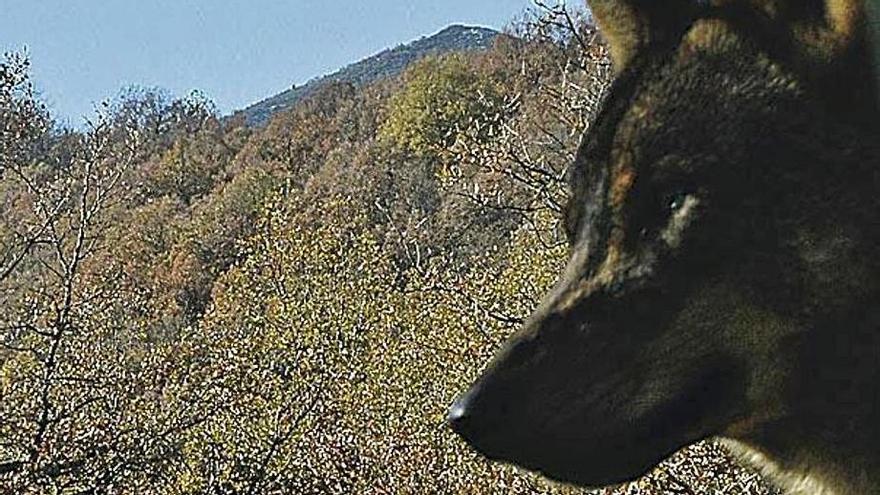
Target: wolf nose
479,417
475,414
458,417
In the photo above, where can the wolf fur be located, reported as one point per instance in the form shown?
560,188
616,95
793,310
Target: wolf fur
724,279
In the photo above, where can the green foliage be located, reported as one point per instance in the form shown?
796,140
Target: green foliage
284,340
227,215
185,171
441,96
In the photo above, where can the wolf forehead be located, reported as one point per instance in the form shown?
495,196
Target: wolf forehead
686,109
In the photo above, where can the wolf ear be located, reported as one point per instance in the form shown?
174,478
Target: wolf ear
631,25
824,29
836,45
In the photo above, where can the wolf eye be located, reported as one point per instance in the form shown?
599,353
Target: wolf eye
675,202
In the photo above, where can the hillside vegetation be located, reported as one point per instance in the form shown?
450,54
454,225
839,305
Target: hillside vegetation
192,305
386,64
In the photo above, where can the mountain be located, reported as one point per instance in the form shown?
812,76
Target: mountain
387,63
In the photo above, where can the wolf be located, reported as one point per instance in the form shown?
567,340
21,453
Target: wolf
723,275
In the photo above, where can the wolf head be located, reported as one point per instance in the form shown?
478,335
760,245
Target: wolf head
724,228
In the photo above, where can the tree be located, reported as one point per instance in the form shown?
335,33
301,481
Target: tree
440,96
24,130
24,121
73,378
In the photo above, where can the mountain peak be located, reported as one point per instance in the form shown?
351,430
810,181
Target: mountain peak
387,63
457,28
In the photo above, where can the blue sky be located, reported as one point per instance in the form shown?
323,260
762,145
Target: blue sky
236,51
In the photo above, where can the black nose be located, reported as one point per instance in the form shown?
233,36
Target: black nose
479,415
459,416
482,418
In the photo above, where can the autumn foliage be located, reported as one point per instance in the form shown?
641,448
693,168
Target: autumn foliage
190,305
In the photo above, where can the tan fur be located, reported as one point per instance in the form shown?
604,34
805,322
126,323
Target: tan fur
831,42
630,25
622,28
809,475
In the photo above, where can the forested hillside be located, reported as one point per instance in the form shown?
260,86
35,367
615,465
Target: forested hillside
191,305
388,63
